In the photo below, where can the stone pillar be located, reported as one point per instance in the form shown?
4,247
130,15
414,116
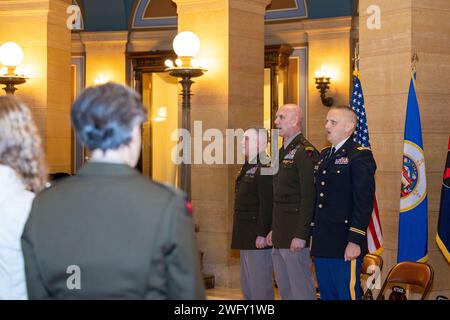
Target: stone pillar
385,70
105,56
328,44
39,27
229,95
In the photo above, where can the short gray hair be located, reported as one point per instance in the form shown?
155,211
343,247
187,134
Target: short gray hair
104,116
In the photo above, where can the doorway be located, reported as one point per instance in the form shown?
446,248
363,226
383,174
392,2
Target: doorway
160,97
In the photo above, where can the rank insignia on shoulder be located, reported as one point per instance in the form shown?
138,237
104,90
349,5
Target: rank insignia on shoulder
343,160
362,148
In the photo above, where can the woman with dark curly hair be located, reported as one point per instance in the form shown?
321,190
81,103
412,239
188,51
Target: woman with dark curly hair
22,174
108,232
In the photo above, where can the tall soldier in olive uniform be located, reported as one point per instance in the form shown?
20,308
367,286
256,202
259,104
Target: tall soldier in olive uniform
345,188
253,218
294,197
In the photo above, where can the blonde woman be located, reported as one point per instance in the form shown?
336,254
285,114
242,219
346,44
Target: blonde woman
22,174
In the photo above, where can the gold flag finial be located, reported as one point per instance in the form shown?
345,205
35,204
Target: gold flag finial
414,60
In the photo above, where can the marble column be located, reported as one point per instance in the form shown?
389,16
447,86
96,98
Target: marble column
39,27
229,95
406,26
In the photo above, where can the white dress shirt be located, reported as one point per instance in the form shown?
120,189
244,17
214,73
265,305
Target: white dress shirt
340,144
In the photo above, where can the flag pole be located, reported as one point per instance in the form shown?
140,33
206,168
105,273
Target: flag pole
356,59
374,231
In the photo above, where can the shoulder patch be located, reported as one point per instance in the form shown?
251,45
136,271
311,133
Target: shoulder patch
309,151
189,207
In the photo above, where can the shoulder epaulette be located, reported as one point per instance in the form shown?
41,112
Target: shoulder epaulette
324,148
363,148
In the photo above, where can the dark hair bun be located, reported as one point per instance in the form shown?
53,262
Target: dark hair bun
104,116
99,137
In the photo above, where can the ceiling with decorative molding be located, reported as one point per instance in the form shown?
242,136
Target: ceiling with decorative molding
117,15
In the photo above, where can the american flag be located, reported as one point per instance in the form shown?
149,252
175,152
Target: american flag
374,232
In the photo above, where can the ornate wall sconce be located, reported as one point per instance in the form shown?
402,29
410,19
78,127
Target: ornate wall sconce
323,80
11,56
186,45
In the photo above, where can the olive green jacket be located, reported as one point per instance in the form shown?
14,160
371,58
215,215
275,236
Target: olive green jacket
110,233
252,207
294,193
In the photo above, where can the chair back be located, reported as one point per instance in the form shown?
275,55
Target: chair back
367,270
416,274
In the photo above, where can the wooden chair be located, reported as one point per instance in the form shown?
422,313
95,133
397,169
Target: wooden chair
416,274
367,270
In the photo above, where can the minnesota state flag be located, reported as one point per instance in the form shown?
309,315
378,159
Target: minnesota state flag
413,222
443,234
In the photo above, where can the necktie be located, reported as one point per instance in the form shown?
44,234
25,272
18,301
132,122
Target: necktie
331,152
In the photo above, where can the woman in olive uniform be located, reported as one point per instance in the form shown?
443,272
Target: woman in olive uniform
108,232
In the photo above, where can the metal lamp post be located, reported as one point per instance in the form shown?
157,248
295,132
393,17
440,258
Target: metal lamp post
186,45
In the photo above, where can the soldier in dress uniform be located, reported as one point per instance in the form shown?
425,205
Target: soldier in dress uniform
294,197
345,188
253,218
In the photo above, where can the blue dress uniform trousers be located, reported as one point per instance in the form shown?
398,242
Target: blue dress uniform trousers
338,279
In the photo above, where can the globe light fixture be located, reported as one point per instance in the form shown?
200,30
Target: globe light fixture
186,44
11,57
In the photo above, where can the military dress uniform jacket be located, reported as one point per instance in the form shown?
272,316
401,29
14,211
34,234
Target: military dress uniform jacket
294,193
345,188
252,207
110,233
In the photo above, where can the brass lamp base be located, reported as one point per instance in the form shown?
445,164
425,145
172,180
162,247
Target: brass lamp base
11,81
